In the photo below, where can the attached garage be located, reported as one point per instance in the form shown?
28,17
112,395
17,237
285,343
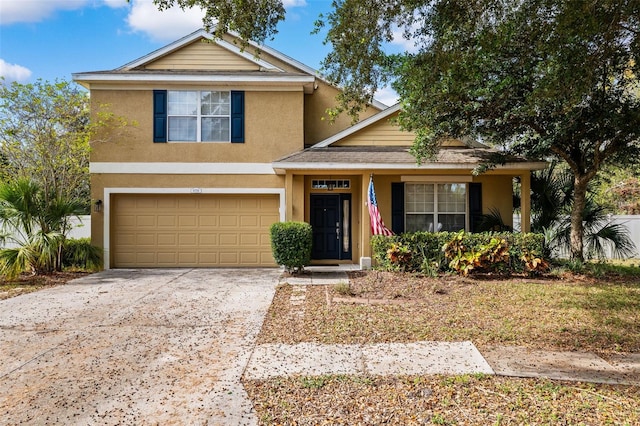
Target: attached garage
192,230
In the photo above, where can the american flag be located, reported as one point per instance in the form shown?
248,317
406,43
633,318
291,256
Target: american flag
377,225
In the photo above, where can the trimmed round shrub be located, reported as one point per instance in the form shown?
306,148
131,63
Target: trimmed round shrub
291,244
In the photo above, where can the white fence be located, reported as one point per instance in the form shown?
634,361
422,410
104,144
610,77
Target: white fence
81,229
631,222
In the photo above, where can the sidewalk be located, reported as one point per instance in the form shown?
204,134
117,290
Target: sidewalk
431,357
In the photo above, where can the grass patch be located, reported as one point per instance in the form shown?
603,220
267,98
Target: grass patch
601,315
28,283
417,400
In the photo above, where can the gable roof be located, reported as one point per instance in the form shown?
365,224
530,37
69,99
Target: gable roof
358,126
268,72
188,39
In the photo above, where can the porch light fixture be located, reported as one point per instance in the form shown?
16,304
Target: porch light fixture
97,206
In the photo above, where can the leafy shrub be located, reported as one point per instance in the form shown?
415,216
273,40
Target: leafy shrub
504,251
79,253
291,244
491,256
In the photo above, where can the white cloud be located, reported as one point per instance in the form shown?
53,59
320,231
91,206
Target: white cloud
167,25
387,96
12,11
14,72
293,3
115,4
400,40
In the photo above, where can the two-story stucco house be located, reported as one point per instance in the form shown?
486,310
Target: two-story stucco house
227,142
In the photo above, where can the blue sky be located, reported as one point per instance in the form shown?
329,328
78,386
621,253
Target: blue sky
51,39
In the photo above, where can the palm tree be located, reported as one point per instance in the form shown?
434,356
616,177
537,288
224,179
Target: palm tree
551,200
34,226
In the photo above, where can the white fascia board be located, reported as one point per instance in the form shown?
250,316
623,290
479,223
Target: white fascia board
358,126
193,78
190,39
107,204
396,166
182,168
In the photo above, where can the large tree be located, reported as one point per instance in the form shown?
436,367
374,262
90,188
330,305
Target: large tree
540,78
44,137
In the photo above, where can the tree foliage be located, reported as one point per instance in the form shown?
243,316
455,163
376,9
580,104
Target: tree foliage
551,205
251,19
33,228
44,136
540,78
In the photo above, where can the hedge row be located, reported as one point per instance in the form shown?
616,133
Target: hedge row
424,251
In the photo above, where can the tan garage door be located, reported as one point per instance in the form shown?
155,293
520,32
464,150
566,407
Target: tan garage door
200,230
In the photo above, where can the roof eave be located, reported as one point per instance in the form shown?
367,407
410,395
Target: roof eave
283,166
86,79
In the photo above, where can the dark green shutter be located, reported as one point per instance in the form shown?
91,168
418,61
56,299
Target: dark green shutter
159,115
397,207
237,117
475,205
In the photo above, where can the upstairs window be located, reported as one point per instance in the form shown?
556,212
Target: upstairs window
198,116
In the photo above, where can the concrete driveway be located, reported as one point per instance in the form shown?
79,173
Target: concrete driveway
133,347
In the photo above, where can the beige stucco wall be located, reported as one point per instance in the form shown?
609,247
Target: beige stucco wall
497,194
273,128
318,126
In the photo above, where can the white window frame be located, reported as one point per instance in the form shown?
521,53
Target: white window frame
199,116
435,211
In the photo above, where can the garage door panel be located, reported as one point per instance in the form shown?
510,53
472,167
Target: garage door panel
146,203
250,258
192,230
227,221
146,221
185,239
249,221
146,239
208,221
208,258
168,221
167,258
228,239
187,203
249,239
145,258
207,240
229,258
187,221
169,240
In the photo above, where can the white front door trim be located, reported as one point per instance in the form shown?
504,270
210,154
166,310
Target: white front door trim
232,191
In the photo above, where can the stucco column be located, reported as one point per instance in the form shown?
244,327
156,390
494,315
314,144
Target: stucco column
288,195
365,228
525,202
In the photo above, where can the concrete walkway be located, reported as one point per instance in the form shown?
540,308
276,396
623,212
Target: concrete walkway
430,357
